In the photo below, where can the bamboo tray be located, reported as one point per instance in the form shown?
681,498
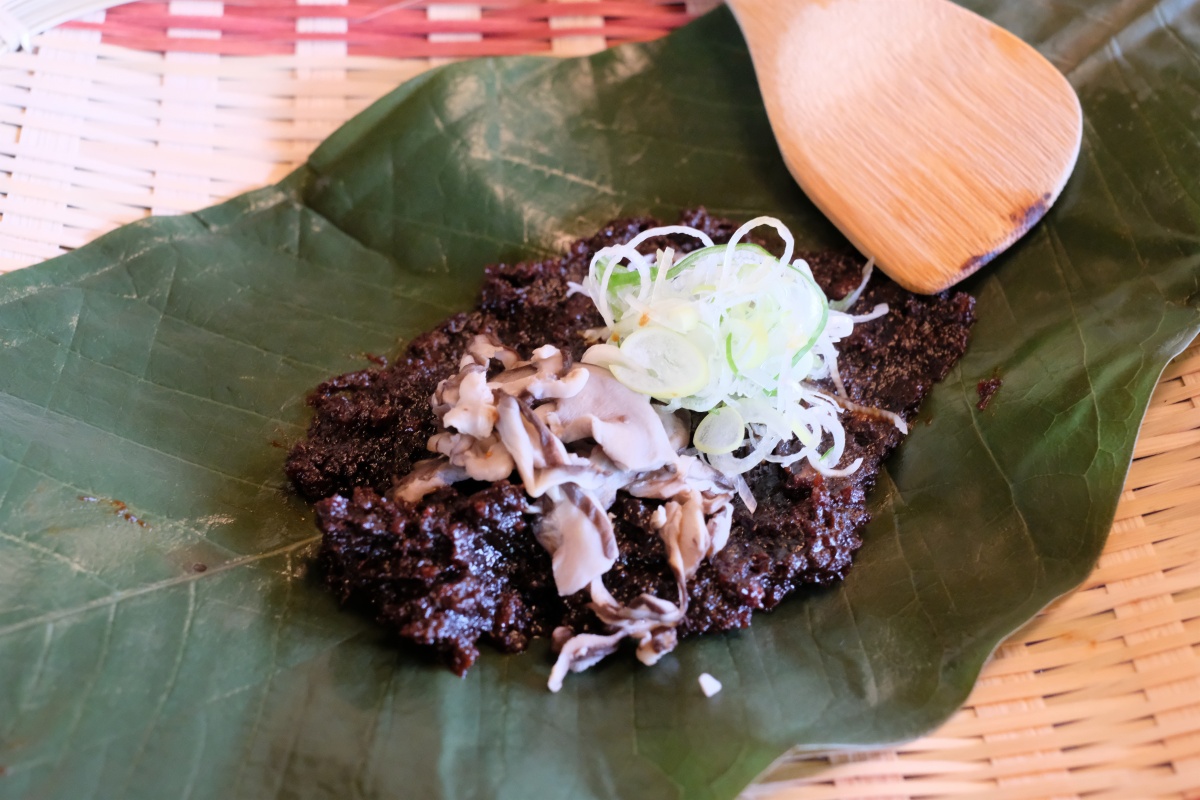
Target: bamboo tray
165,107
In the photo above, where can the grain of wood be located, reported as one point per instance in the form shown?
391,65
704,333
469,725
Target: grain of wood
932,197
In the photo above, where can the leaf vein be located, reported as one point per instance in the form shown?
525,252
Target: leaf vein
111,601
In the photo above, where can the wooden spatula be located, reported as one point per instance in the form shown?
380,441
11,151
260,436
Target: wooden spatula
931,137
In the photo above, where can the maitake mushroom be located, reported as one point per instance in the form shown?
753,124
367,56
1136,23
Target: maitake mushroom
576,436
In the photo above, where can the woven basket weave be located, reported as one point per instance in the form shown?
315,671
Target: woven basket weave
165,107
382,28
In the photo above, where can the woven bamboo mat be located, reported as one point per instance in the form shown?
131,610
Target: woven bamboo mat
165,107
95,133
1099,696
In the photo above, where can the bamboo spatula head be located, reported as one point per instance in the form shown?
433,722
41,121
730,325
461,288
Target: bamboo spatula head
931,137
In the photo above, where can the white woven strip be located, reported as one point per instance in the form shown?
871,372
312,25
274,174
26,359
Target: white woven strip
441,12
699,7
49,139
577,45
328,108
14,33
92,136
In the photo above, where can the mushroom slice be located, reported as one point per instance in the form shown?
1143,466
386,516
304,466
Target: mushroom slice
688,474
719,525
426,477
602,479
648,619
618,419
549,375
644,613
684,532
656,644
474,409
484,349
677,424
528,381
581,652
446,395
539,456
483,459
579,536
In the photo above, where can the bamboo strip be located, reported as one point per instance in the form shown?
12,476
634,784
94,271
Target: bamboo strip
1186,366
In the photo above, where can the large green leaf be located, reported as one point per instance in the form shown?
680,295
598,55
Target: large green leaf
158,366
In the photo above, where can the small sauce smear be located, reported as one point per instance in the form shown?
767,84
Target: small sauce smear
987,389
199,567
119,508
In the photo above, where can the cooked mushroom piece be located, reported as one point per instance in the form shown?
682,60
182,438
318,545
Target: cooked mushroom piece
426,477
473,411
541,459
481,459
547,375
576,436
581,652
620,420
579,536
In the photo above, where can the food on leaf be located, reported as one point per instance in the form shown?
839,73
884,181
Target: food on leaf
662,483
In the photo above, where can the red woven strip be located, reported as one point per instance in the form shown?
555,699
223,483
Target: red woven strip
606,8
160,43
353,11
358,43
462,50
382,28
387,48
158,15
489,6
420,5
273,9
269,29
